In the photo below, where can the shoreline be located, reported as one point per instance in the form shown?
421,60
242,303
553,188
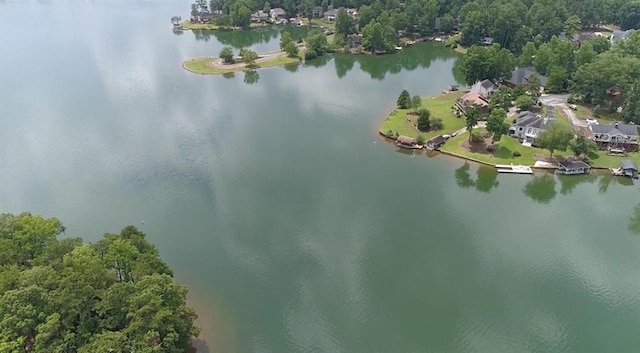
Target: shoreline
215,66
394,114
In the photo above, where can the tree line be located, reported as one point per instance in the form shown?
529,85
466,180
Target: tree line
62,295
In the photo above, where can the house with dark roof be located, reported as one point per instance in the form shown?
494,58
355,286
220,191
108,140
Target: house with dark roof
617,36
353,40
330,15
528,127
522,76
615,136
571,167
484,88
436,142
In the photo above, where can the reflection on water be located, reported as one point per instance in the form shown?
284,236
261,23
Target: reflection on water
251,77
569,182
634,223
541,189
292,67
486,178
247,38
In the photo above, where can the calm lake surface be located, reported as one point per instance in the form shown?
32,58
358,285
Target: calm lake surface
295,227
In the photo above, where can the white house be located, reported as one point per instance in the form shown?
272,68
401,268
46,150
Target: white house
528,126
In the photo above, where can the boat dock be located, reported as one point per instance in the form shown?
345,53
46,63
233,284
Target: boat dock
514,169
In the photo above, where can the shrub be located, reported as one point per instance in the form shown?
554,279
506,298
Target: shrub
310,54
476,136
490,148
516,154
420,140
436,124
389,133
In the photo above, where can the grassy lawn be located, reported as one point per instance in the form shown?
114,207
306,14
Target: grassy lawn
602,160
200,65
321,23
439,106
584,112
503,153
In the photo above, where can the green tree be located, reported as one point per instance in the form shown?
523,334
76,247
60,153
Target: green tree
528,55
585,54
629,15
316,44
424,123
306,7
266,8
285,38
344,23
291,49
420,140
557,81
240,15
366,14
404,100
487,63
447,23
501,98
324,5
496,124
582,146
416,102
436,123
555,137
249,57
472,116
572,25
525,102
631,109
226,54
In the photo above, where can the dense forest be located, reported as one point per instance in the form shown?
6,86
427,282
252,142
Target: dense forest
61,295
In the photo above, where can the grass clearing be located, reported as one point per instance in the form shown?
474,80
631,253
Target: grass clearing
503,151
585,112
439,106
321,23
202,65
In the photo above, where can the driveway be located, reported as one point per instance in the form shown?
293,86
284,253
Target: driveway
559,101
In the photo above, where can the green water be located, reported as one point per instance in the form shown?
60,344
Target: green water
296,228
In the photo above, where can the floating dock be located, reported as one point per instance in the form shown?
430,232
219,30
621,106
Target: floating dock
514,169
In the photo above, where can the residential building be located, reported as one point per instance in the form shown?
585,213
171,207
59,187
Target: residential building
353,40
259,16
330,16
406,142
278,14
484,88
617,35
570,167
616,136
522,76
472,99
528,127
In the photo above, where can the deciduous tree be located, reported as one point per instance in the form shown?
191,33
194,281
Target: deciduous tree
226,54
555,137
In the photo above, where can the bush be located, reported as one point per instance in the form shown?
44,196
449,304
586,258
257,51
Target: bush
310,54
436,124
420,140
490,148
516,154
476,136
389,133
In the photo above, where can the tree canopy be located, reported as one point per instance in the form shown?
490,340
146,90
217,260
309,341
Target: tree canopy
115,295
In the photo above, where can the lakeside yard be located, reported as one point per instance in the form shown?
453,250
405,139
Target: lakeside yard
214,66
504,149
440,107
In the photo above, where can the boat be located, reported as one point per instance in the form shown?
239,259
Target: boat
514,169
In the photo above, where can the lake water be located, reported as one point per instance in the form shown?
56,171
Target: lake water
295,227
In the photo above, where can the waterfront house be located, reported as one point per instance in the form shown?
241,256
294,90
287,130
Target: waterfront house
627,168
484,88
278,14
486,41
569,167
406,142
528,126
617,35
472,99
522,76
436,142
204,17
353,40
330,16
615,136
259,16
